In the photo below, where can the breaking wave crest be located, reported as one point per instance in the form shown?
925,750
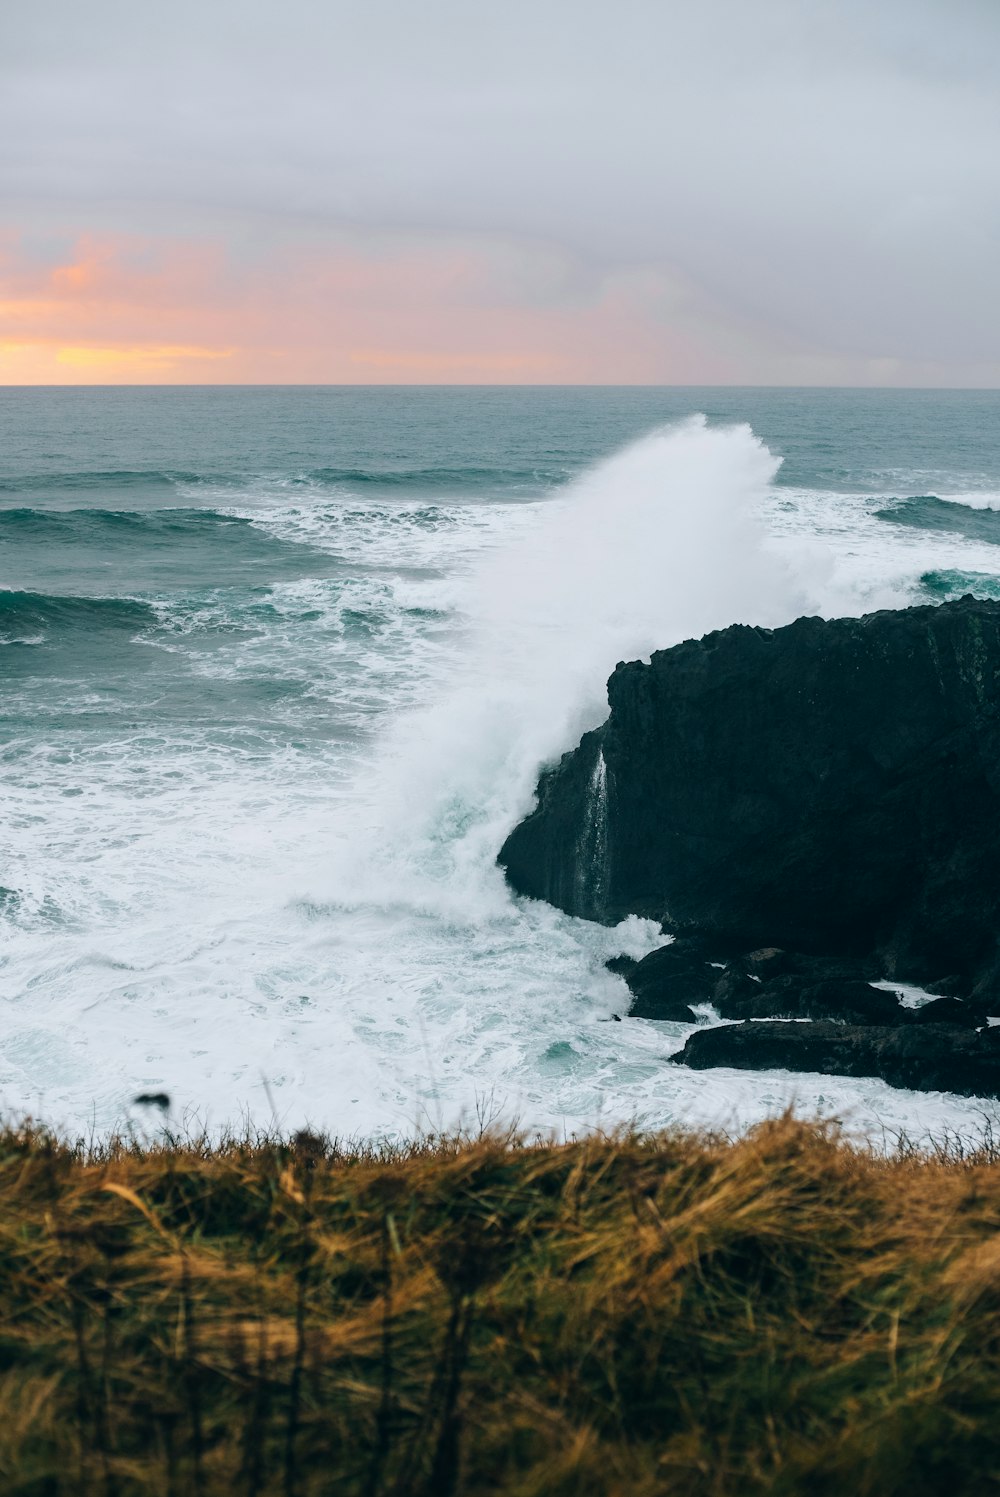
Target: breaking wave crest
928,512
656,544
252,804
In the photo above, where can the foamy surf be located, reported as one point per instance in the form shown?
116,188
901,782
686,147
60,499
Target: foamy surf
252,864
973,500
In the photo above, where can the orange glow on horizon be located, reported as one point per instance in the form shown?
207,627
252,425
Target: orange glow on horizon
167,356
31,362
120,309
129,309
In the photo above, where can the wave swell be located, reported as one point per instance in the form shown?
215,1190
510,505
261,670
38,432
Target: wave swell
928,512
113,478
109,524
31,618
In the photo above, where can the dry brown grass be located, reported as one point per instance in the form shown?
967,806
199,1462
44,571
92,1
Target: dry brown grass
680,1314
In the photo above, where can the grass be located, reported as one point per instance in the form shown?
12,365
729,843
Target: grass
674,1314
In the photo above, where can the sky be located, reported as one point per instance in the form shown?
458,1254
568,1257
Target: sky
454,191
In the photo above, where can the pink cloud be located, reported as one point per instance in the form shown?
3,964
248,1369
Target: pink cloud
127,309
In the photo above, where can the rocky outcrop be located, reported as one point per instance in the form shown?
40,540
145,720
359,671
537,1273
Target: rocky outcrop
668,981
925,1057
672,981
853,1001
832,787
844,1021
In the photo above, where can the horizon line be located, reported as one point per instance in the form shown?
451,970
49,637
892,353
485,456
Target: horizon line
486,385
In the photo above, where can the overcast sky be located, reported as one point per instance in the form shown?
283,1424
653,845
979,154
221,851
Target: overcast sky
736,191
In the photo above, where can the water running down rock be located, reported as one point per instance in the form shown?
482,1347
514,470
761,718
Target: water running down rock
829,787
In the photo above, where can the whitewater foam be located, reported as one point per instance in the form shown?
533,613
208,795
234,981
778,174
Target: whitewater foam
656,544
298,899
972,500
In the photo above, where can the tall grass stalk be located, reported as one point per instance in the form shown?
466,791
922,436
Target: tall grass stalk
782,1313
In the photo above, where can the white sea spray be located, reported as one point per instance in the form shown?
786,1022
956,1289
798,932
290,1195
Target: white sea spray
306,907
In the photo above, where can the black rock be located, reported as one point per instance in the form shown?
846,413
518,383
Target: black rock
945,1011
810,969
666,981
621,966
928,1057
947,987
831,787
663,1008
733,991
852,1000
790,998
769,961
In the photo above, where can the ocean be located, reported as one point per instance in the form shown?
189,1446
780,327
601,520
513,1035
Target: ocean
278,670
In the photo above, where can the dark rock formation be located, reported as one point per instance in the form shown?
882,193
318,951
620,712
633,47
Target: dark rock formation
927,1057
668,980
946,1011
832,787
788,998
770,961
772,964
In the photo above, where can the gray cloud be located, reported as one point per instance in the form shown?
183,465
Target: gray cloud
826,175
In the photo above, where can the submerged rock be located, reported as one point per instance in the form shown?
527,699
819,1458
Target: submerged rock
830,787
927,1057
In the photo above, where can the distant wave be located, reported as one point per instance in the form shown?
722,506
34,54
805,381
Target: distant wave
75,524
115,478
928,512
456,479
435,477
147,551
31,617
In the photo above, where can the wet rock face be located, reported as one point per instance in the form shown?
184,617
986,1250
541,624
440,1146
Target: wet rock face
854,1001
829,787
924,1057
670,981
844,1023
667,981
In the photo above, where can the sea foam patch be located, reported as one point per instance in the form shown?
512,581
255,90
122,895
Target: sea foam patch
257,870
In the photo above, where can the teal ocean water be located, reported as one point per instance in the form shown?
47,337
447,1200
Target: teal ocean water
278,669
